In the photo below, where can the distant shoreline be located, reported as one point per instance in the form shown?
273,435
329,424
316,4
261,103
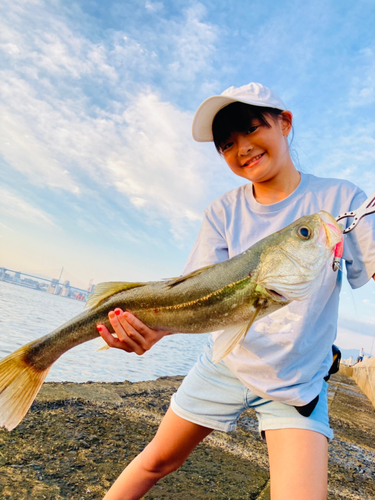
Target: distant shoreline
40,290
43,284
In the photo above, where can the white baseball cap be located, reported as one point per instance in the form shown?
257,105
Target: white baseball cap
253,93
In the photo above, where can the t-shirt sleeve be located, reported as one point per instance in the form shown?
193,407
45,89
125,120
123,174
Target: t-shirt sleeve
359,246
210,247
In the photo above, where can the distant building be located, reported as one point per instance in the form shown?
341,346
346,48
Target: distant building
44,285
30,283
52,286
66,289
347,362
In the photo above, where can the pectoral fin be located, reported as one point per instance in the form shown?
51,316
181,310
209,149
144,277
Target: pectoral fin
231,336
105,290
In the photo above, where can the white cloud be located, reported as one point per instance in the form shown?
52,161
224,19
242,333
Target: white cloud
346,153
10,48
158,162
134,143
49,45
362,92
145,153
25,126
154,6
193,44
13,205
138,202
350,339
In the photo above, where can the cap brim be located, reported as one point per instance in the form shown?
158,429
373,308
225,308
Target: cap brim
204,117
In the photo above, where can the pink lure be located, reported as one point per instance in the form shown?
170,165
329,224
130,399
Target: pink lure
339,250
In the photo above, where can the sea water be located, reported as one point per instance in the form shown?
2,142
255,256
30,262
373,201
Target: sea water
27,314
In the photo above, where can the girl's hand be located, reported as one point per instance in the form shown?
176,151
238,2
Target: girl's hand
133,335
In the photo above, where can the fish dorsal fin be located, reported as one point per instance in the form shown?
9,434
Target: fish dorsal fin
231,336
105,290
175,281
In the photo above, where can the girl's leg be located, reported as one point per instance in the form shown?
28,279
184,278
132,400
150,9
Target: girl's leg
175,440
298,464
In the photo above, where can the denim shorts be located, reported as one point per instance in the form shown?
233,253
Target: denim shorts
212,396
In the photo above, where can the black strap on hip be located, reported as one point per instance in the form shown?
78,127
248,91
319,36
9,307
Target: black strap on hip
307,410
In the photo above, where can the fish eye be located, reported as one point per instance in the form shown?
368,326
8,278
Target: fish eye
304,232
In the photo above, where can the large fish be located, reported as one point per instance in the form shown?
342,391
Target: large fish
227,296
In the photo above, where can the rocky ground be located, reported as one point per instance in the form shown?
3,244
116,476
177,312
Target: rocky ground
77,438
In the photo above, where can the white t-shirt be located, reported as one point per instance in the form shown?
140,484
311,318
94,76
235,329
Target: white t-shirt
286,355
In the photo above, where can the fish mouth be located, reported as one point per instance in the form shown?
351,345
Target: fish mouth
332,230
276,295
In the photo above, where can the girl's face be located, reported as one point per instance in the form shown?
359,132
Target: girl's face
260,154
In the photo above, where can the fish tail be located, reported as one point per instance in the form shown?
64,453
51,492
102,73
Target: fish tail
19,385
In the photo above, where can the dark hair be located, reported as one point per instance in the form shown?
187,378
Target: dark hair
237,117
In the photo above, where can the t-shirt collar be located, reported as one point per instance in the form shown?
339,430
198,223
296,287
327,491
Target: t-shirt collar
275,207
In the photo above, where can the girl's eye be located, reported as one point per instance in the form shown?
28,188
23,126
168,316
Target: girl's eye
226,146
304,232
252,129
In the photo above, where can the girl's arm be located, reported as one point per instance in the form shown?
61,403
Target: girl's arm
132,334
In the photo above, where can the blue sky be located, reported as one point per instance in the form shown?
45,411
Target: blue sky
99,171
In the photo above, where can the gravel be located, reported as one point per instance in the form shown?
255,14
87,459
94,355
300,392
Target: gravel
77,438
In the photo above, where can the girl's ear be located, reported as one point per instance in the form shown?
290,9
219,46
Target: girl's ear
286,122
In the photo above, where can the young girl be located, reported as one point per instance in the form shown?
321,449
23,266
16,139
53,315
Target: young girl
279,368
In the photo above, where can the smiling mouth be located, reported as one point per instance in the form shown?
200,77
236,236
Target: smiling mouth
253,160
